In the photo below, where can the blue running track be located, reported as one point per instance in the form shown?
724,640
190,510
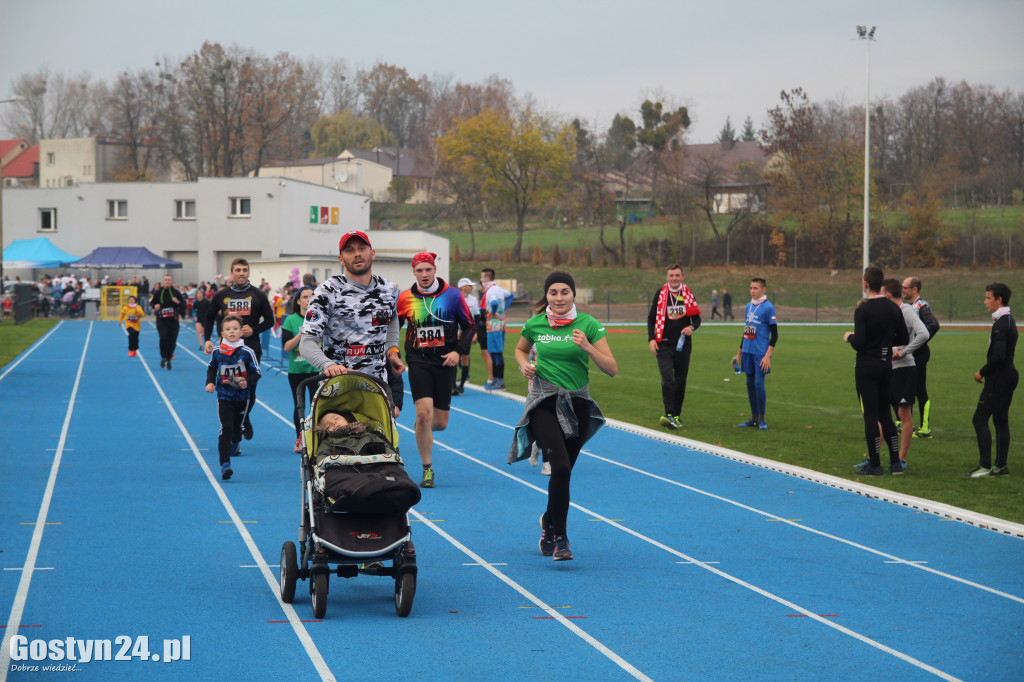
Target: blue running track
689,566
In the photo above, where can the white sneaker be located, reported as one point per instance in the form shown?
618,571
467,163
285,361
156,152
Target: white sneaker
534,456
546,469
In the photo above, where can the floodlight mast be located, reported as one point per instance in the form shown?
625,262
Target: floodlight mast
867,36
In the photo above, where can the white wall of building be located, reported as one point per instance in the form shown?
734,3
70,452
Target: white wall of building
278,227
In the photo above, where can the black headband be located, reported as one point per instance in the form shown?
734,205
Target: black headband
560,277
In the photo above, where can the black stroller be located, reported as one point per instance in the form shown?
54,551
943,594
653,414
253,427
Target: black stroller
355,496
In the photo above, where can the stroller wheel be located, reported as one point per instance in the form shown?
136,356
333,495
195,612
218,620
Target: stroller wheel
318,592
289,572
405,590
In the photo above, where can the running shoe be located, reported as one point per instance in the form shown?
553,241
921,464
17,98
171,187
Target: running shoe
298,445
534,456
163,362
562,551
499,384
999,471
871,471
489,385
861,465
428,479
670,421
545,469
236,449
751,423
457,390
980,472
762,425
168,364
225,471
547,538
921,433
896,468
246,428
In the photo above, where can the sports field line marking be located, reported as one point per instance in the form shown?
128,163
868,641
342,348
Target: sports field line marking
37,568
289,611
21,596
720,573
536,601
33,347
792,522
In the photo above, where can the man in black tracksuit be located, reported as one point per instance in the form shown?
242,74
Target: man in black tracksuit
240,298
167,304
1000,377
877,326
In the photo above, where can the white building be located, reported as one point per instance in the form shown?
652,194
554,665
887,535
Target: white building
276,224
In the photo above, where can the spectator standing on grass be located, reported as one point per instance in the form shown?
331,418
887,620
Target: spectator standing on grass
877,327
494,302
912,295
754,358
1000,378
439,331
559,416
241,298
904,369
233,366
168,304
298,368
727,305
714,304
671,322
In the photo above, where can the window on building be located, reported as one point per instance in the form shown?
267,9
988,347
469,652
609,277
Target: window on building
51,158
117,209
87,170
185,209
48,219
240,207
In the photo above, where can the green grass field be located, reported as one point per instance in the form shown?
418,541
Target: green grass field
14,339
813,410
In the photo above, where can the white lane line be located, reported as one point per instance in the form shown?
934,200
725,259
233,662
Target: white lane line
550,610
300,630
21,596
772,517
33,347
722,574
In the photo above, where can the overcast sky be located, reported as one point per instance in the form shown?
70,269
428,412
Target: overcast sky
592,58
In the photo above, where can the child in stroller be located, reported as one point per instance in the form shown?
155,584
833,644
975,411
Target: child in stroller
356,494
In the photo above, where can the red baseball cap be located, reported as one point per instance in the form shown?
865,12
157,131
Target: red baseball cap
349,235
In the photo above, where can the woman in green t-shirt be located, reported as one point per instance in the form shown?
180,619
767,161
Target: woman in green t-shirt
298,369
560,416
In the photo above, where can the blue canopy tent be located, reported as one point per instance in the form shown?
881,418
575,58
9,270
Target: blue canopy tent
123,258
34,254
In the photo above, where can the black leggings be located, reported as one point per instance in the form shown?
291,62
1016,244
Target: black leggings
232,413
873,380
994,403
560,452
674,366
167,328
133,339
300,407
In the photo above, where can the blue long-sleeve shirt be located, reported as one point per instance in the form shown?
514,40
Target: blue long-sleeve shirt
224,372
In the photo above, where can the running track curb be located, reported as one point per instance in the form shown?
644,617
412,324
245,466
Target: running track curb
920,504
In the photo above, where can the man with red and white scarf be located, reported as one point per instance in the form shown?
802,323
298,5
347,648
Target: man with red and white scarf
673,318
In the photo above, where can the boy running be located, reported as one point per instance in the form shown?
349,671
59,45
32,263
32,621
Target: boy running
232,366
131,318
